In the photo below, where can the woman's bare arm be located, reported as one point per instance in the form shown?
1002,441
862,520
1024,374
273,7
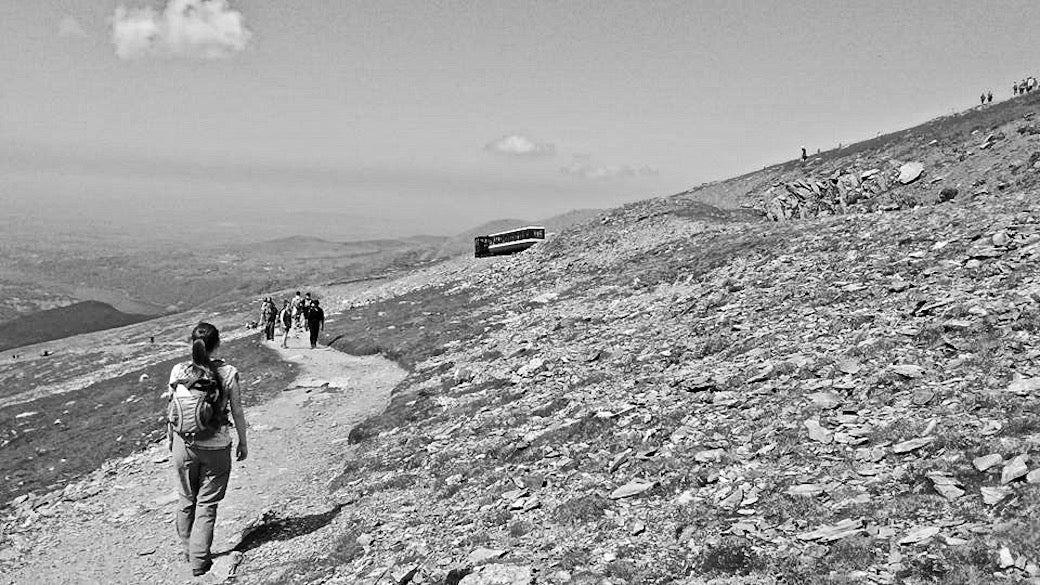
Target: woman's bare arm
242,450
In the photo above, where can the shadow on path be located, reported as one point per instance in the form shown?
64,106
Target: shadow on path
272,529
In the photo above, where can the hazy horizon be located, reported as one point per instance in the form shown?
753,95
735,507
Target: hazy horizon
237,121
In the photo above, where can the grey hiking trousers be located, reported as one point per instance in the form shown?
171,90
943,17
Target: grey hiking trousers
202,480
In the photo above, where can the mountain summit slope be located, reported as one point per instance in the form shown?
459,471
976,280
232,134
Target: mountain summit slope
980,151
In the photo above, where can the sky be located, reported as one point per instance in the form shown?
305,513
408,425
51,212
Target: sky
253,119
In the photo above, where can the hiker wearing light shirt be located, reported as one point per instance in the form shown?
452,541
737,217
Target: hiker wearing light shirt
203,392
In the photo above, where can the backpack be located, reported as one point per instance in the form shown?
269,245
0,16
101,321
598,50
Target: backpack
286,317
197,407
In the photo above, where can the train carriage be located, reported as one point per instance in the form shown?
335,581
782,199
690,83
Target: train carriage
508,242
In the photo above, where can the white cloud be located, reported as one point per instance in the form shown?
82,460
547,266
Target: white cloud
585,169
517,145
69,28
197,29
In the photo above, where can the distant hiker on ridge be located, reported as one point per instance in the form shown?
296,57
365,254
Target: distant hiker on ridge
315,322
204,391
805,155
989,97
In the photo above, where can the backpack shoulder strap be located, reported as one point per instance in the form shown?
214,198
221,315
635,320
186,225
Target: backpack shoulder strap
228,376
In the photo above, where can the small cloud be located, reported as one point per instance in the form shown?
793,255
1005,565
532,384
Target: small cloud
517,145
585,169
69,28
195,29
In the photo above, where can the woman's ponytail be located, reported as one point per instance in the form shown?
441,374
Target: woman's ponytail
199,353
204,341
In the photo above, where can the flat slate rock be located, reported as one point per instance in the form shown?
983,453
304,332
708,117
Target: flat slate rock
1014,469
911,445
994,495
483,555
1024,386
817,432
499,574
830,533
632,488
825,400
848,366
908,370
919,535
987,461
805,489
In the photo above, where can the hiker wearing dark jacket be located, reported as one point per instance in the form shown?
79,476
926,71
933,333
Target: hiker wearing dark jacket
315,321
268,318
202,459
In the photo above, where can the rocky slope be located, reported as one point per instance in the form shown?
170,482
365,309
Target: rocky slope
675,393
663,397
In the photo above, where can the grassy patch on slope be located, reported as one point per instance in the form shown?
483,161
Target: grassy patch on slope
111,418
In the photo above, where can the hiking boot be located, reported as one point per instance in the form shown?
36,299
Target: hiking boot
200,571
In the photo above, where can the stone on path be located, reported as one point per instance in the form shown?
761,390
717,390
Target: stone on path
225,566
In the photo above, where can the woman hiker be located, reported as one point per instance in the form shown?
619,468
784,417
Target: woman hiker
201,444
286,317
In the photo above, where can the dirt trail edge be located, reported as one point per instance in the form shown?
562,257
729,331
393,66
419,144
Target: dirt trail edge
116,526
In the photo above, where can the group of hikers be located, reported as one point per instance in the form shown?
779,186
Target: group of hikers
1025,86
1018,88
298,312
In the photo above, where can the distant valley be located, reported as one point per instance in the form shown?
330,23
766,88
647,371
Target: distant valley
54,287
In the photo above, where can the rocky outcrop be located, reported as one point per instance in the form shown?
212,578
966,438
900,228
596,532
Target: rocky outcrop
837,194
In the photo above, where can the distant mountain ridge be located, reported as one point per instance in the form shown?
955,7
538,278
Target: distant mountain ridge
422,247
74,319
